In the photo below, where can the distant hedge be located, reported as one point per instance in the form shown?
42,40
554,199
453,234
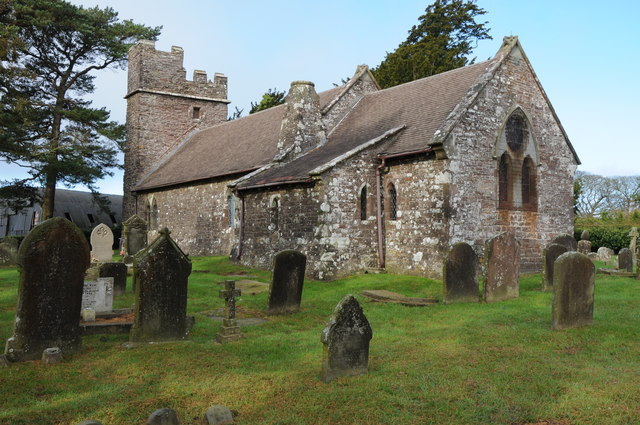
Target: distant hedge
610,232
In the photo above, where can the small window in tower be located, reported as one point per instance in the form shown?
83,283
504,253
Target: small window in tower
196,112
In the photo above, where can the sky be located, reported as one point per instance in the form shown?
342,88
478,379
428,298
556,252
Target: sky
584,53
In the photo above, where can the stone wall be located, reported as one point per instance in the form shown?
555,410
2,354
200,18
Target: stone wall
162,108
359,85
474,167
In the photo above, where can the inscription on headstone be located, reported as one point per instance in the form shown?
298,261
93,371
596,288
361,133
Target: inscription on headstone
53,259
346,341
97,295
285,292
460,274
101,243
549,256
573,291
502,256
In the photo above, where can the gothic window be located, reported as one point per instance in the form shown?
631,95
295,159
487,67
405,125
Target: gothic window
516,132
363,203
505,181
529,198
232,210
393,202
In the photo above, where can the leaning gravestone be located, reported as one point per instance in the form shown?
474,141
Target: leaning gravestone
97,295
161,294
164,416
567,240
604,254
584,247
573,291
8,251
285,292
118,271
502,257
625,260
135,236
459,274
101,243
53,259
549,256
346,341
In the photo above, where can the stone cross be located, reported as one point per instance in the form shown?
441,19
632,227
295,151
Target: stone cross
229,331
633,234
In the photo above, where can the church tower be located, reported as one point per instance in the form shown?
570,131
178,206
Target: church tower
162,108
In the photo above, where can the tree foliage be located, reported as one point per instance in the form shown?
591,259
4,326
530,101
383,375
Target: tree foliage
271,98
600,195
443,40
50,51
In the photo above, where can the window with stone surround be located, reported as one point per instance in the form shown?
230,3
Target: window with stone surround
392,201
274,211
505,181
195,113
363,203
529,195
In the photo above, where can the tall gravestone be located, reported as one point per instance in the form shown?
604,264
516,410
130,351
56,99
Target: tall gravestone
8,251
502,259
101,243
633,236
568,241
118,271
161,294
573,291
135,236
625,260
460,274
549,256
346,341
285,292
53,259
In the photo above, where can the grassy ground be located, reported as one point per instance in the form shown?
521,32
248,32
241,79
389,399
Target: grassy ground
446,364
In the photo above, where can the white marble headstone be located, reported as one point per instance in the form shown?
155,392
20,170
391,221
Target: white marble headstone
102,243
98,294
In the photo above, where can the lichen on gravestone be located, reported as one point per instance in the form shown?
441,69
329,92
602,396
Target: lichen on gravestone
573,291
502,259
285,292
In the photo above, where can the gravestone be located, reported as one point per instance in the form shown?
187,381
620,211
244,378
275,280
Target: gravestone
633,235
52,355
8,251
584,247
97,295
285,292
625,260
229,331
53,259
135,236
585,235
218,415
101,243
164,416
346,341
549,256
604,254
459,274
161,294
89,422
573,291
567,240
118,271
502,259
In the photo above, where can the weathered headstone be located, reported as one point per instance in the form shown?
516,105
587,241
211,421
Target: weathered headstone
164,416
460,274
346,341
625,260
567,240
584,247
135,236
604,254
161,294
97,295
585,235
573,291
229,331
101,243
549,256
53,259
502,259
8,251
51,355
218,415
633,235
285,292
118,271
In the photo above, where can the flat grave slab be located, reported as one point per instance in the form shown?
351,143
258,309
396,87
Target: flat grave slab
382,295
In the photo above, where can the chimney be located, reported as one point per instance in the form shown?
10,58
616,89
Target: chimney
302,129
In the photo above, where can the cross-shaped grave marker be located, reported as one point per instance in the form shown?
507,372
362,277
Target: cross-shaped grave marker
229,331
633,234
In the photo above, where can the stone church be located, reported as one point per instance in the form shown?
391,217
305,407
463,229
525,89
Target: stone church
355,177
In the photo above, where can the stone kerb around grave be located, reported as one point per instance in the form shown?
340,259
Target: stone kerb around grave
161,292
285,292
52,261
573,291
460,274
502,274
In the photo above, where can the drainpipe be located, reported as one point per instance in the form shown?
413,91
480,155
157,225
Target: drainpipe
379,211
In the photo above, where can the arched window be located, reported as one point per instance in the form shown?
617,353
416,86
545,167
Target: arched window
393,202
517,133
363,203
529,192
232,210
504,181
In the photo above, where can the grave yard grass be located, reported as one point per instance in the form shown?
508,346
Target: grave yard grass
480,363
